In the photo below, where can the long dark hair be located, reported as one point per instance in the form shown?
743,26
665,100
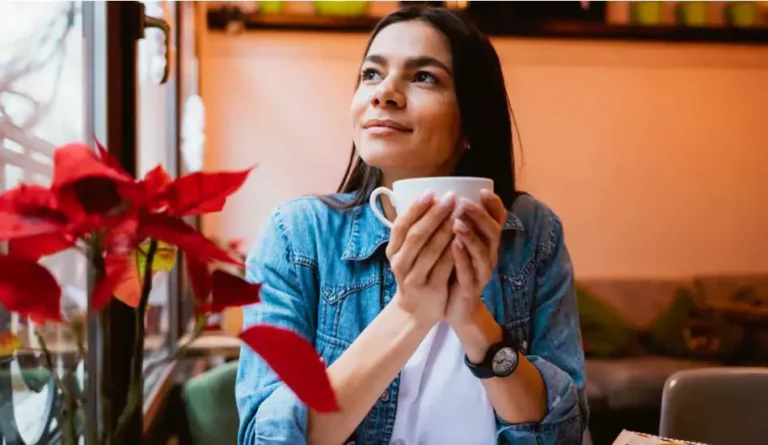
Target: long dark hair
483,106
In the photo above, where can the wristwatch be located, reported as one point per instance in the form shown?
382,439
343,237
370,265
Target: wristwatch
500,360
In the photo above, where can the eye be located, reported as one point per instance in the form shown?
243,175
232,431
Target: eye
425,77
368,74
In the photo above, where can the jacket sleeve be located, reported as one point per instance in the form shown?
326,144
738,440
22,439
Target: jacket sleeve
269,411
555,350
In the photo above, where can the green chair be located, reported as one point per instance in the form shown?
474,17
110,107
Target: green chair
209,401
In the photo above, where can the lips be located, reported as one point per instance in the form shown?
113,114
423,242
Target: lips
386,124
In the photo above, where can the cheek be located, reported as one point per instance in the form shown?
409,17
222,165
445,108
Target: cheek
440,122
359,104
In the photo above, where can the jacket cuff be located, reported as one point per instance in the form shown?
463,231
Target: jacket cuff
282,418
564,421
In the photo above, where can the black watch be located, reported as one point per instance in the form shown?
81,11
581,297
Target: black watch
500,360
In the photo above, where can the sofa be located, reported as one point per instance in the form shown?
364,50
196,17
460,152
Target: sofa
636,333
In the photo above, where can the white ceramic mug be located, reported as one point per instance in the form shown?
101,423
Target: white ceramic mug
407,191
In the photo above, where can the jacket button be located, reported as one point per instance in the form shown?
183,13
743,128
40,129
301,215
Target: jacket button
385,396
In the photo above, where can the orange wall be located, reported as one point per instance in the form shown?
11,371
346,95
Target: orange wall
655,156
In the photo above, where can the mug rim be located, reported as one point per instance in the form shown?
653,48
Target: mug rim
444,178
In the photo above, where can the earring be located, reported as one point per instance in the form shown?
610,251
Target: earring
467,146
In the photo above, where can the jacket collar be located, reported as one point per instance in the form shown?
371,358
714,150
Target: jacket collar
367,233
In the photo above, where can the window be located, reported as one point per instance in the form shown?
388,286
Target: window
46,67
42,105
157,146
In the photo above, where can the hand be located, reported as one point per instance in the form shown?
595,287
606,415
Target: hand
420,255
475,251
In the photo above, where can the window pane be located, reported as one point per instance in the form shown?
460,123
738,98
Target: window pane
156,146
42,105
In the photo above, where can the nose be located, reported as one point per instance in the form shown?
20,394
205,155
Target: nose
388,95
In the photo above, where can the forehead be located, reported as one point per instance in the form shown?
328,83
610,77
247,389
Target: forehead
410,39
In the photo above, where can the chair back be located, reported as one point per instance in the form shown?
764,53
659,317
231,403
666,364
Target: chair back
716,406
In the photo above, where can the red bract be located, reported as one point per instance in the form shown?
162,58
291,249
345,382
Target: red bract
37,246
117,266
81,177
300,369
180,234
147,194
75,162
200,192
29,289
199,276
230,291
29,210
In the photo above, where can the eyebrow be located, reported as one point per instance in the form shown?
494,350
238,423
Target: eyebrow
411,63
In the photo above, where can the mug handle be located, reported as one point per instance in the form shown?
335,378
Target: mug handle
374,204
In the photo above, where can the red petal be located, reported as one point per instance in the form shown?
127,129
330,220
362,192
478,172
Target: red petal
200,192
29,289
117,266
29,210
37,246
200,277
122,235
295,361
15,226
231,291
157,179
182,235
75,162
28,199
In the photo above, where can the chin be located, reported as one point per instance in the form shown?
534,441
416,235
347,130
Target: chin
383,154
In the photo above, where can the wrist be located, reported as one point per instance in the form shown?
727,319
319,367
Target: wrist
411,317
478,333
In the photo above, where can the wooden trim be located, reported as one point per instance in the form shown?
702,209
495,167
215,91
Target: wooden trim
226,18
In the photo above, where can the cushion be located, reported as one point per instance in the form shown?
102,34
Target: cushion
686,331
210,406
604,332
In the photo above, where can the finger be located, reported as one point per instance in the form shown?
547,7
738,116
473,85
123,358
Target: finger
405,221
443,268
494,206
430,254
478,252
421,233
465,273
487,227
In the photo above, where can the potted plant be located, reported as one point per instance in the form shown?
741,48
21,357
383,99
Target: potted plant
129,229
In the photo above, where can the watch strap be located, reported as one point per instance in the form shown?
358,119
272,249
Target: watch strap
484,369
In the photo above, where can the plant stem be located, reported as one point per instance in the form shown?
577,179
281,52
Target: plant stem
70,401
138,345
106,391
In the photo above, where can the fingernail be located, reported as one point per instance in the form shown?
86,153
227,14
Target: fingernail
485,192
428,197
460,226
458,243
447,200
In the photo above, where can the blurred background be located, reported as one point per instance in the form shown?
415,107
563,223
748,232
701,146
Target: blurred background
642,124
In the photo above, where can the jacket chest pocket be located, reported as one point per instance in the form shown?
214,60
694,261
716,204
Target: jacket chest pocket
348,305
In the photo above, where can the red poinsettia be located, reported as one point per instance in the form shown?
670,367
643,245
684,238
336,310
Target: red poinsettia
94,203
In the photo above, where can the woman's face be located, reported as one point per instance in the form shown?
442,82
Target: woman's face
404,113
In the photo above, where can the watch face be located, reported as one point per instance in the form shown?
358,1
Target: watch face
504,361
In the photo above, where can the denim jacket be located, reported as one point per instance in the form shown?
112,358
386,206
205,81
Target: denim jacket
325,275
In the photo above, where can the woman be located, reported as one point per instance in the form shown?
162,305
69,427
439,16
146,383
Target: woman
446,330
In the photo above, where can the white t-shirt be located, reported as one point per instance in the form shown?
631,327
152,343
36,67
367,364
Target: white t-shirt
440,402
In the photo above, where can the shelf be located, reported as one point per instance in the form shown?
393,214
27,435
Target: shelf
221,19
